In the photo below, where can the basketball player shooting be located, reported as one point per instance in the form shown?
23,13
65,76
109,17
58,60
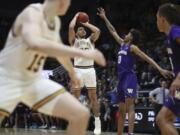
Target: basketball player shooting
127,86
33,37
85,67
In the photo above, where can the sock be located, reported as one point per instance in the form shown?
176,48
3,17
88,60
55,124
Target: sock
97,118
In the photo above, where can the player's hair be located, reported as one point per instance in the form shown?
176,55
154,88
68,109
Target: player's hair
78,25
136,34
171,12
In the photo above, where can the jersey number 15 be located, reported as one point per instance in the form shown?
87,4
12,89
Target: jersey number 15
35,64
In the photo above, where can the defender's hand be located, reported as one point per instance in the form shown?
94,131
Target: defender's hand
166,73
101,12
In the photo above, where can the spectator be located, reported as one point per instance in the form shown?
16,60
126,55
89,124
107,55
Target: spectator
158,97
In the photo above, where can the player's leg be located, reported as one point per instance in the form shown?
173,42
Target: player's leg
96,111
165,119
131,93
89,76
122,107
94,101
77,91
46,98
167,115
131,114
67,107
121,119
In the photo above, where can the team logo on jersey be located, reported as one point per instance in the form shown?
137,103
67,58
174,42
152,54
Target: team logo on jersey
130,91
123,52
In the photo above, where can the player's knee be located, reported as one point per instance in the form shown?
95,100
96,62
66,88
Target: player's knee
94,102
130,108
122,108
82,114
159,119
85,113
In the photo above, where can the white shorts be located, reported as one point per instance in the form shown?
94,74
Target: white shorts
34,93
87,76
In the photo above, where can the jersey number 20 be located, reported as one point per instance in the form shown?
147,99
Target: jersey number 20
35,64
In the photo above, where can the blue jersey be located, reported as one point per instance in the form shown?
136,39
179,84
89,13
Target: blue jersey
125,59
175,47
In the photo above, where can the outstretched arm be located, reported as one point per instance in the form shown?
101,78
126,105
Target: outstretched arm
33,39
95,31
71,34
143,56
110,27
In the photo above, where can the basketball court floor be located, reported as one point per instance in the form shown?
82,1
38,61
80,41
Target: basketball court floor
44,132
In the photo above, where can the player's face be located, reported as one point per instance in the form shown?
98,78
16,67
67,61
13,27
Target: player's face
128,37
62,6
163,84
160,23
81,32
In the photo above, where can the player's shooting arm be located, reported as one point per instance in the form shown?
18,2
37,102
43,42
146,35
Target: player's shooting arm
72,34
149,60
96,31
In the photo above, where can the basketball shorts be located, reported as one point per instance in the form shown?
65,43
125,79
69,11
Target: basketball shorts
127,87
87,77
173,104
34,93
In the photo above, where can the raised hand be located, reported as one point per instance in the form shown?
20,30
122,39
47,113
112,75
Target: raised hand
101,12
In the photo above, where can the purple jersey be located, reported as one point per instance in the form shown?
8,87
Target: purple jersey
125,59
175,47
173,103
127,78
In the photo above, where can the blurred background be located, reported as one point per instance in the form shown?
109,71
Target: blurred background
124,15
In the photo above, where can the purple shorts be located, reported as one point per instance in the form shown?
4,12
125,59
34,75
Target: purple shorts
127,86
173,104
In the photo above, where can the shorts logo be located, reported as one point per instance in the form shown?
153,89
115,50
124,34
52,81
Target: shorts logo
130,91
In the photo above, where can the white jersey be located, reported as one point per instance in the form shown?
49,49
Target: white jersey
17,60
84,44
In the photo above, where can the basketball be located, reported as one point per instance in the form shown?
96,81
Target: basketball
83,17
